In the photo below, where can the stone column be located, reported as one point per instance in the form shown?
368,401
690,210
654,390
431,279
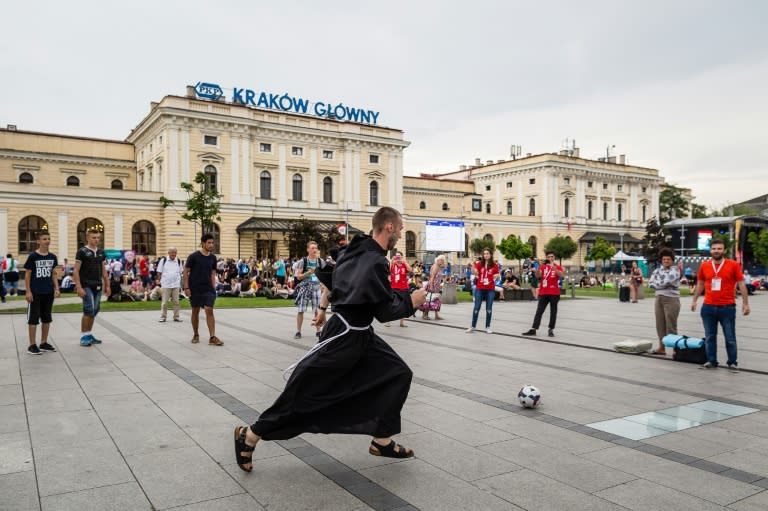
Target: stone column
118,221
313,177
185,170
246,168
173,159
3,231
282,186
234,170
63,235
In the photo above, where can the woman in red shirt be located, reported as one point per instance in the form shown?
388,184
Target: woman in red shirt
398,278
486,271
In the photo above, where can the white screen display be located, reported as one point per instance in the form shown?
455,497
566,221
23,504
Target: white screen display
445,236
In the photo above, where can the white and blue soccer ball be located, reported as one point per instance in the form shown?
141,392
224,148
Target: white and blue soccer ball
529,396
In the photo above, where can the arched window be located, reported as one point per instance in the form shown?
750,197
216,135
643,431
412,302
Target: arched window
26,178
327,190
445,206
116,184
645,211
83,227
509,207
488,237
297,187
28,226
374,193
265,185
214,229
589,210
73,181
211,182
532,241
488,207
422,205
605,211
410,244
532,207
143,236
618,212
567,207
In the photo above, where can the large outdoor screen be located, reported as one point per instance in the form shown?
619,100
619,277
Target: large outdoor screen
445,236
704,239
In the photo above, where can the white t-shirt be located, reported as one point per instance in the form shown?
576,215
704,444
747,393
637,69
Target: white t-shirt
171,272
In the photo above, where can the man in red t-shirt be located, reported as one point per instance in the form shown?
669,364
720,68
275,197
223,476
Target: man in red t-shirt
718,279
549,275
398,278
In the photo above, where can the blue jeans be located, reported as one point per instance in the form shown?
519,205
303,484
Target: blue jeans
487,296
711,315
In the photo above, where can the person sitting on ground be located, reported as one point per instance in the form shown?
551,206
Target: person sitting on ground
510,281
68,284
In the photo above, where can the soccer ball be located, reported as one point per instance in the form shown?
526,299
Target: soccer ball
529,396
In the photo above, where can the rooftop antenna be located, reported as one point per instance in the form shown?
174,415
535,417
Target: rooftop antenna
568,145
514,151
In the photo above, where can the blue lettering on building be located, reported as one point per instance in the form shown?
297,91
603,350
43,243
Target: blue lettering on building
287,103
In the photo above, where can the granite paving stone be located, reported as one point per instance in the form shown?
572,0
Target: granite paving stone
18,491
644,495
15,452
116,497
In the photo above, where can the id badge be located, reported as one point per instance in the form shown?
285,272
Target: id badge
716,284
397,278
544,283
485,281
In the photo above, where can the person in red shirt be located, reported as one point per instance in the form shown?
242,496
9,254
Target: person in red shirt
718,279
486,271
549,274
398,278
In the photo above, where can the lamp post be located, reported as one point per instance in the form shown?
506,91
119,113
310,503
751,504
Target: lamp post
621,249
346,222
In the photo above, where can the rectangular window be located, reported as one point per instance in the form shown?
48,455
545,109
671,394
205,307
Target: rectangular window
644,189
297,151
509,184
619,187
589,184
373,158
567,180
532,181
605,186
487,188
210,140
327,155
265,148
477,205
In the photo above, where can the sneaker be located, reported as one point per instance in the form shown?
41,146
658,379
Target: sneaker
47,347
177,320
708,365
734,368
94,340
34,350
297,335
488,330
86,340
470,330
530,332
551,332
162,320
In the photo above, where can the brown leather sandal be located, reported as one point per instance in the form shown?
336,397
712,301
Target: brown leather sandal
195,339
391,450
241,447
215,341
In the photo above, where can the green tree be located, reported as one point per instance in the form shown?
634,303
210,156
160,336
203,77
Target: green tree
736,210
671,201
300,233
514,249
563,247
654,239
698,210
601,251
203,203
759,242
477,246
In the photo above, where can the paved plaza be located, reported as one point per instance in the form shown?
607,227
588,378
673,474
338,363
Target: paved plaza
145,420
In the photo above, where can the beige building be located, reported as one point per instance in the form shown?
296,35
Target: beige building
274,167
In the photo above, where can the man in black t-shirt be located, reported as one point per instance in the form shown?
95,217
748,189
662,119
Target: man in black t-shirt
42,287
90,278
199,286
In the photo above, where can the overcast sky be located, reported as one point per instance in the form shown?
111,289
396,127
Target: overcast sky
675,85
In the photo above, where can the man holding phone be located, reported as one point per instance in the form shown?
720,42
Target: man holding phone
548,275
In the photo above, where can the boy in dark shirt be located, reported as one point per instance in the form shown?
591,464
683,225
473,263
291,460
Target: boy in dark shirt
42,287
199,286
90,274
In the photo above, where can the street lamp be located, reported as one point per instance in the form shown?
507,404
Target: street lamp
621,249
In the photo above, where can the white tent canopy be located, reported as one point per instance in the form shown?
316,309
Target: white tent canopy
621,256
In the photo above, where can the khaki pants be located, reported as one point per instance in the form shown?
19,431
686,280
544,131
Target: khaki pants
667,310
173,294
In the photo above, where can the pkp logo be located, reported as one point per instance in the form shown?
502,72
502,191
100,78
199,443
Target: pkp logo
208,90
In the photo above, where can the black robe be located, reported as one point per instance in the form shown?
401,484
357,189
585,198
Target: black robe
355,384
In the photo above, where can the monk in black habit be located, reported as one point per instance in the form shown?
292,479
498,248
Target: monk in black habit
352,382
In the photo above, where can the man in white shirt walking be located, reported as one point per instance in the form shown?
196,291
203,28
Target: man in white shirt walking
169,272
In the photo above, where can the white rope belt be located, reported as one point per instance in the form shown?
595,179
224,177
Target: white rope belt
287,372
